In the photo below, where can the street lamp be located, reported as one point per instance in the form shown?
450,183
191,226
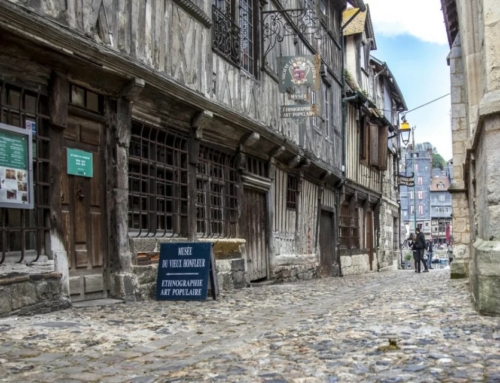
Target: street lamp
404,132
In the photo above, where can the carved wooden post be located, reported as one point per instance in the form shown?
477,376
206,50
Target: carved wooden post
58,109
118,135
198,122
270,205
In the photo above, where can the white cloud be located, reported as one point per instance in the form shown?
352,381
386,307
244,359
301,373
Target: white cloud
422,19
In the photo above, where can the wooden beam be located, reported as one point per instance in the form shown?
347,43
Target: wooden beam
294,162
249,139
133,89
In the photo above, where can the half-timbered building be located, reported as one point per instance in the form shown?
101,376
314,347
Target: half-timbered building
178,103
369,206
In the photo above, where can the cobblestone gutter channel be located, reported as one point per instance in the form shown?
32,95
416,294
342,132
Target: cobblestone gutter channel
329,330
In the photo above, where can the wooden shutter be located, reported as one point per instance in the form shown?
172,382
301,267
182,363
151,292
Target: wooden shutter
364,140
382,147
374,145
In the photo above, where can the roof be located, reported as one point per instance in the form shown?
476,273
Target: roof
362,22
396,93
441,179
449,8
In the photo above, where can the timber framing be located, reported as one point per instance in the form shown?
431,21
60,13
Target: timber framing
30,25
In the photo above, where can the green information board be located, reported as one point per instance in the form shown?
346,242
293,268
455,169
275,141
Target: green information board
13,150
16,167
80,163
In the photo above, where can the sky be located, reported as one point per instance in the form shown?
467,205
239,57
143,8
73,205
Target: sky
411,39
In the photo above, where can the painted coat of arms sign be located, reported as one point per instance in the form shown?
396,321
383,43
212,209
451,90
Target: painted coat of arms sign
298,71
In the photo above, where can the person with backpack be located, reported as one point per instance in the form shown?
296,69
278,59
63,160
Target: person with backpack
430,252
420,249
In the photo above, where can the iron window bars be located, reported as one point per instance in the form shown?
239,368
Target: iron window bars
233,35
349,227
158,181
291,192
24,232
217,203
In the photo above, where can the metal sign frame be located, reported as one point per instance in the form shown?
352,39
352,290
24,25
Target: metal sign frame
29,204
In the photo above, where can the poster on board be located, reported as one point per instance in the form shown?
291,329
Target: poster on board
16,167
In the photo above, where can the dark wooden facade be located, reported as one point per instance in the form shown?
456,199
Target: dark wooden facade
186,138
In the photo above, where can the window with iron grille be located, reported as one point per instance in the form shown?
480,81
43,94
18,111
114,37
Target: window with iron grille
234,34
24,232
217,203
256,166
158,179
395,234
349,227
291,192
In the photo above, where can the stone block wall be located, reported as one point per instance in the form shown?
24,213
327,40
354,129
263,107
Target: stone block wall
460,203
387,256
291,273
356,264
27,294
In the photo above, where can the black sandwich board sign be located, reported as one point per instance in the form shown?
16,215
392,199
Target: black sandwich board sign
183,272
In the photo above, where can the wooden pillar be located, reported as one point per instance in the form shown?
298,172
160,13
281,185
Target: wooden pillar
118,133
199,121
271,247
58,110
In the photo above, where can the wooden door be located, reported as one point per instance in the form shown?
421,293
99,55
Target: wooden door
369,237
254,229
327,243
83,213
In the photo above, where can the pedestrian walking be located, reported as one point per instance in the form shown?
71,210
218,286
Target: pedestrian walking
411,245
430,252
420,248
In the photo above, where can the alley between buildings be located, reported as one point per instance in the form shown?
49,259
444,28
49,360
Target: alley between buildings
326,330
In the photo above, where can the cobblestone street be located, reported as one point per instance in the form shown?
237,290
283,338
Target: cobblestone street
329,330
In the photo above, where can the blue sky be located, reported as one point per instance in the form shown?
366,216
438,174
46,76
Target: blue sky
411,38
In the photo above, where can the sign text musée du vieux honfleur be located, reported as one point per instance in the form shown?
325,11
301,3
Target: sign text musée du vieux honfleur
183,271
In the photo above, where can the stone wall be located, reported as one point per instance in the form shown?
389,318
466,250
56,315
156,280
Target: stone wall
460,203
356,264
291,273
387,256
27,294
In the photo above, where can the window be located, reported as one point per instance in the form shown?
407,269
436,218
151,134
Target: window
395,232
442,198
349,227
440,186
234,33
421,209
405,213
411,195
24,232
420,180
373,145
326,111
420,194
412,209
416,167
216,204
158,195
291,192
86,99
314,101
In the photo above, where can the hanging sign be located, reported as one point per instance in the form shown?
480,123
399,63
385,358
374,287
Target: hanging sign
79,163
183,271
403,181
16,167
298,110
298,71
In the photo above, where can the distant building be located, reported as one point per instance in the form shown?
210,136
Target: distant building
440,205
415,202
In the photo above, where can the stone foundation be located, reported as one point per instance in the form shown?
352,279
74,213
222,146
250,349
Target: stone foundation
356,264
27,294
485,276
290,273
459,268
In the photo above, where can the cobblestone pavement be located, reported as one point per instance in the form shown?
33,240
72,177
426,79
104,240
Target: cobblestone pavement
329,330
